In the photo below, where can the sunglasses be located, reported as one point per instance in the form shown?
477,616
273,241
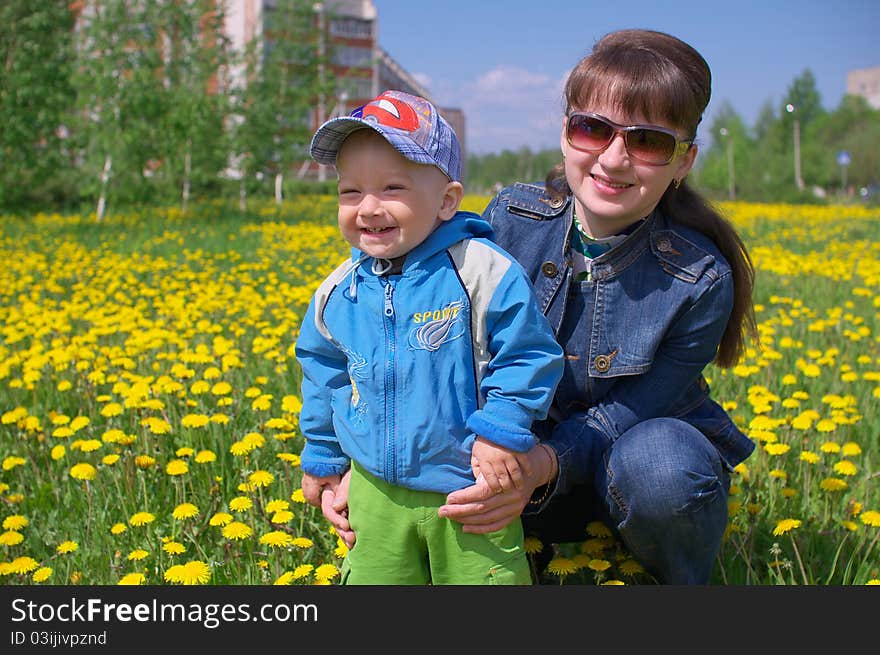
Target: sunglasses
648,144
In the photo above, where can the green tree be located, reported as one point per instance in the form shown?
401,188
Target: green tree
287,73
191,138
723,172
853,127
34,95
118,92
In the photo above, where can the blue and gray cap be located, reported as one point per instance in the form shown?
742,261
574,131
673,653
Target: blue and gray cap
409,123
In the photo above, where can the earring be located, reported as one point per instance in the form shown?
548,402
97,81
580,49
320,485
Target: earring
676,183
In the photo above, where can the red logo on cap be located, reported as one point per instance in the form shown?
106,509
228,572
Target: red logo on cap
393,112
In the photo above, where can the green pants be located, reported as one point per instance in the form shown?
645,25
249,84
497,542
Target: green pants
400,540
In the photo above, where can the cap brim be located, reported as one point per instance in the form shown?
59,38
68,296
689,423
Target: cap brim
329,137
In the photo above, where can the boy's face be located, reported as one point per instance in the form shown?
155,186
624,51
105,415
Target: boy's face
388,204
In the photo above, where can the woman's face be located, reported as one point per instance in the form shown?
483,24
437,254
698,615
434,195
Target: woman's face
612,190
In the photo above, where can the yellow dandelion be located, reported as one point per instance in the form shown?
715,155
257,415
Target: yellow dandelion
845,467
191,573
237,530
173,547
786,525
15,522
851,449
137,554
220,519
852,526
594,546
779,474
195,420
341,550
871,518
261,478
277,505
777,448
613,583
830,447
111,409
561,566
262,403
302,542
533,545
83,471
291,458
826,425
177,467
291,404
141,518
62,432
809,457
205,456
326,572
282,516
41,574
11,538
57,453
240,449
284,579
833,484
144,461
109,460
788,492
276,539
185,511
118,528
240,504
67,547
873,581
598,529
22,565
297,496
302,571
630,567
599,564
279,424
132,579
12,461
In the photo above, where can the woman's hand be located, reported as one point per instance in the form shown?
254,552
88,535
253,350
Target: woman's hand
480,510
334,506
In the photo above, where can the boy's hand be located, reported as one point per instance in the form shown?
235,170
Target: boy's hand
312,487
502,469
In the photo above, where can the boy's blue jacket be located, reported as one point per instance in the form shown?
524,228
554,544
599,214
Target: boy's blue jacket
400,372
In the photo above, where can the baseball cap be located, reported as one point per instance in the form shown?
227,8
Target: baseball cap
409,123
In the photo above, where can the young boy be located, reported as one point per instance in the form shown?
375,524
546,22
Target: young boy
425,357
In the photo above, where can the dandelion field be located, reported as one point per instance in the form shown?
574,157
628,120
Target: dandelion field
149,401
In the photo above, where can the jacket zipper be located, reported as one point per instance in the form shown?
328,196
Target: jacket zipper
390,410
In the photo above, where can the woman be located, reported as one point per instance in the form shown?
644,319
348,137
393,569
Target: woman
645,284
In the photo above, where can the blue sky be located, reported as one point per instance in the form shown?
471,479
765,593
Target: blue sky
503,63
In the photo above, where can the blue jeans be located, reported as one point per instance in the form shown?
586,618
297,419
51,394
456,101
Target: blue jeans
663,487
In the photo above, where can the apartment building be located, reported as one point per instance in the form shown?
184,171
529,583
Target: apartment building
865,82
361,67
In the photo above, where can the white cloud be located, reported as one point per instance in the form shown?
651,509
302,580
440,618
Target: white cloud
506,108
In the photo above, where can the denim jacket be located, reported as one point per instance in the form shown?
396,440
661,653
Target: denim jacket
636,336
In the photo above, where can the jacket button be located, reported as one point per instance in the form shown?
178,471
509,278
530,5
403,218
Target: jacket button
602,363
556,203
664,245
549,269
